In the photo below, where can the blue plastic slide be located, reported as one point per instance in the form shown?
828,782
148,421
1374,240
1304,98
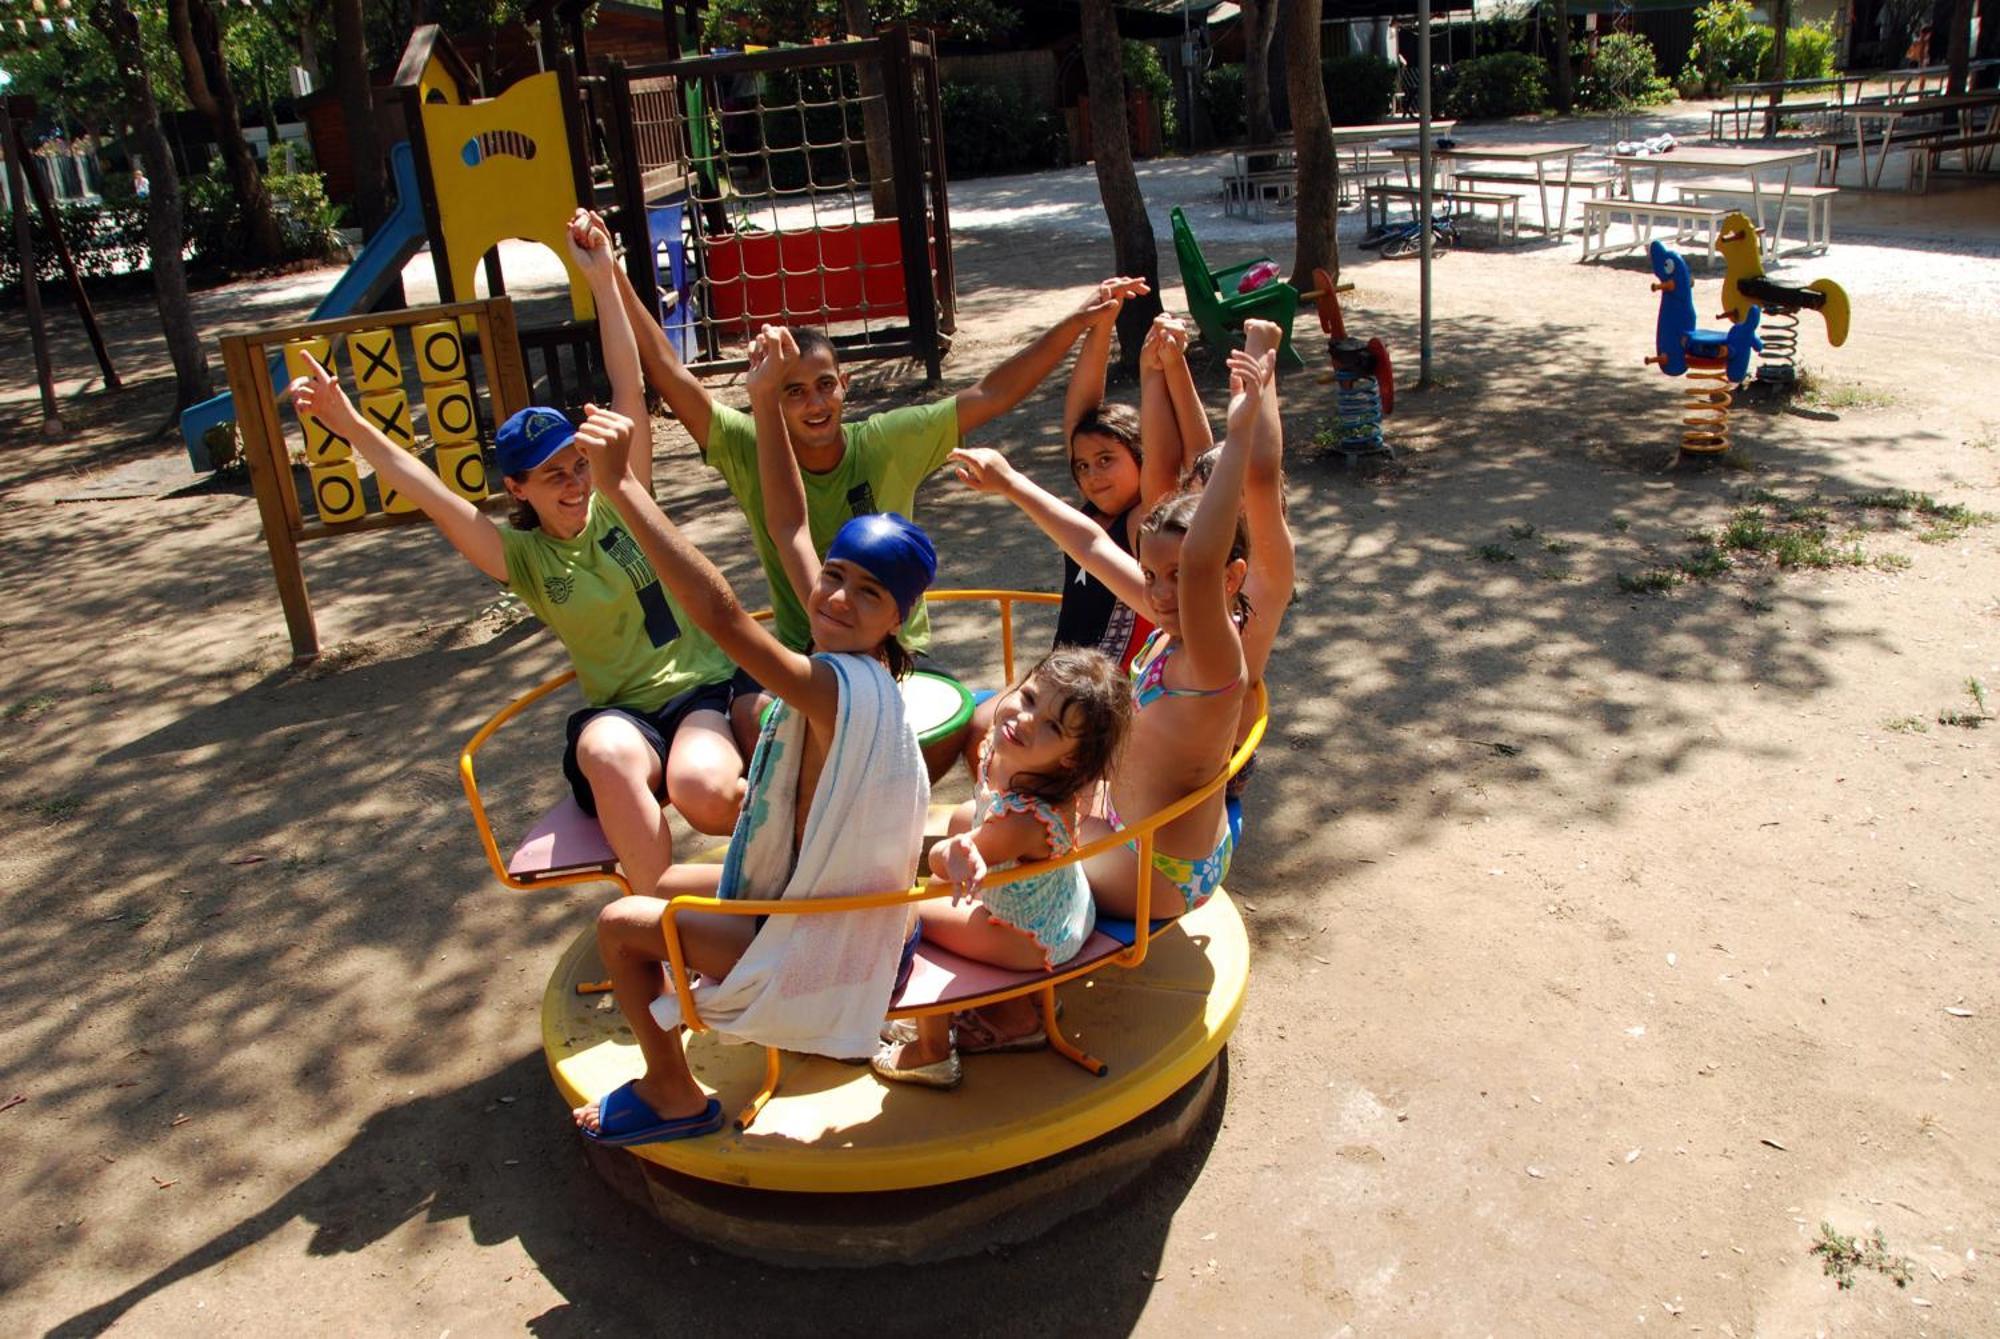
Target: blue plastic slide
374,270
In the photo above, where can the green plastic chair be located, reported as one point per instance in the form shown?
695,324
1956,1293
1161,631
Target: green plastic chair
1219,309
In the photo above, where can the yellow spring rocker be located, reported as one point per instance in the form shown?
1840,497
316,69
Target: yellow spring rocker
826,1163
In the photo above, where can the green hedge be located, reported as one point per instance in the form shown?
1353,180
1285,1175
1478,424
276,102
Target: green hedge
1619,74
1221,93
1508,83
988,129
1359,89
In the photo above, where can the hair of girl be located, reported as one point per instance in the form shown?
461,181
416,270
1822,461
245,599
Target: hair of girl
1096,713
1172,516
1203,467
811,340
1118,422
521,514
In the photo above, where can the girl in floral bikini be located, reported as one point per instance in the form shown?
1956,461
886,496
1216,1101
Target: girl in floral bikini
1190,680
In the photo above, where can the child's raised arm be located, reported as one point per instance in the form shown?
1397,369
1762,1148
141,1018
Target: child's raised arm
1009,384
1093,357
590,246
807,684
772,354
1196,437
1272,557
987,471
470,530
664,371
1208,634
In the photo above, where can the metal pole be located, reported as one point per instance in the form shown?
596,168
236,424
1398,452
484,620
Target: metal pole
31,284
1424,192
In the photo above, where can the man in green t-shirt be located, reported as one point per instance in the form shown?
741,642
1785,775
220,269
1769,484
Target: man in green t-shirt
849,469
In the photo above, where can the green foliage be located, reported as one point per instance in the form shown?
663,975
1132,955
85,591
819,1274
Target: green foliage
1220,89
70,73
813,136
1809,49
1508,83
1728,48
991,129
1619,75
737,23
1358,89
214,225
1146,73
105,238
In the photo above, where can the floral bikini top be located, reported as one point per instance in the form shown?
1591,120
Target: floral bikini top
1149,675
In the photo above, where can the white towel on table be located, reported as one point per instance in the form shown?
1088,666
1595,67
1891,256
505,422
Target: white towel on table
821,984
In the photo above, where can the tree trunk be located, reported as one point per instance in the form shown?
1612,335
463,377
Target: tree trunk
1133,248
1565,90
1958,49
874,114
198,41
114,18
1317,189
1260,20
1781,27
357,108
1989,40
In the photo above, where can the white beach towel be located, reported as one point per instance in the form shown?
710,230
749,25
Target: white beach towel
821,984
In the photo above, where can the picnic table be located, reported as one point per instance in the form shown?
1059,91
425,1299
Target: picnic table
1753,163
1752,97
1538,153
1964,107
1261,175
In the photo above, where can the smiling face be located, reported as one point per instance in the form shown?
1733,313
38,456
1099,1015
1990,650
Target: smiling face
814,393
1160,566
849,610
1031,732
559,491
1105,472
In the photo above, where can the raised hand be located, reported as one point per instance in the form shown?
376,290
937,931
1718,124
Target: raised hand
1151,353
318,395
772,354
1110,294
605,437
1173,335
590,241
1261,336
1249,374
983,469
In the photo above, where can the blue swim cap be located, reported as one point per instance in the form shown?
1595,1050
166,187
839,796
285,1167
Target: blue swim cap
891,548
530,437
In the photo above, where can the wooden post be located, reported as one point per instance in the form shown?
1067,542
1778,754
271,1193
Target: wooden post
31,284
264,451
907,156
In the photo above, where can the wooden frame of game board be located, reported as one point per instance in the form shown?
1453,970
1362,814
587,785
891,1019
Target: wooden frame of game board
487,331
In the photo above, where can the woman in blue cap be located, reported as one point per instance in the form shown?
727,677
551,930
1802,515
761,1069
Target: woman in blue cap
656,729
837,797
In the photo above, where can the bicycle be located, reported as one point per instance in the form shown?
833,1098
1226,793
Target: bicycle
1397,240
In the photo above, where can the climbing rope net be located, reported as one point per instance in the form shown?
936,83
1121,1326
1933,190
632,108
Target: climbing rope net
790,219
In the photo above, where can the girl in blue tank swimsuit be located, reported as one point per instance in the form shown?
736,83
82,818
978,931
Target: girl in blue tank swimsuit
1055,735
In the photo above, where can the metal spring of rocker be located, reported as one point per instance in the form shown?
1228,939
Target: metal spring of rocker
1780,332
1358,410
1705,410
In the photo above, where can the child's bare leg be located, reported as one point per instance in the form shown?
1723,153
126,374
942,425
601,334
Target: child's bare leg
746,721
633,947
705,773
624,776
971,932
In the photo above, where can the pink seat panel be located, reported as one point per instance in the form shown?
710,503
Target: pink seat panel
940,977
564,838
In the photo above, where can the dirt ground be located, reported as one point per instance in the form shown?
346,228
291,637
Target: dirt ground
1607,942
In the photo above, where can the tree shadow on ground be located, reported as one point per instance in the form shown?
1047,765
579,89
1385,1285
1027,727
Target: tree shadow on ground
518,1175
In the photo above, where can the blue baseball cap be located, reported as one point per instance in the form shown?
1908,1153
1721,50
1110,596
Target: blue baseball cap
891,548
531,437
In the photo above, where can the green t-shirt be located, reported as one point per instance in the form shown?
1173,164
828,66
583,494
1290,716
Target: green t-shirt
632,645
887,456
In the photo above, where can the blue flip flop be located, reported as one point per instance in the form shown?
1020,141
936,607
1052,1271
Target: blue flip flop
624,1119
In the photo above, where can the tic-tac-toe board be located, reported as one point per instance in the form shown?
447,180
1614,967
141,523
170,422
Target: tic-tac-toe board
434,380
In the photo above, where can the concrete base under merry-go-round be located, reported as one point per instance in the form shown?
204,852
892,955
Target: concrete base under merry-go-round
841,1168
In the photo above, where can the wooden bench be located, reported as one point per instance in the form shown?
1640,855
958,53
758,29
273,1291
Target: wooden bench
1744,113
1506,208
1688,220
1815,202
1250,192
1929,154
1590,183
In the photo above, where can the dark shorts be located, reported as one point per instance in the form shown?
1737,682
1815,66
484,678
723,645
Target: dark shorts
659,727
